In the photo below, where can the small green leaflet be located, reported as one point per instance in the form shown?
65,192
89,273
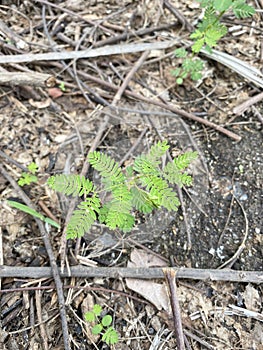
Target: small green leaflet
32,212
222,5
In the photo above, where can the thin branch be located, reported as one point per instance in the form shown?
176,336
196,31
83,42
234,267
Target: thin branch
165,106
89,53
250,102
30,78
227,275
170,275
242,246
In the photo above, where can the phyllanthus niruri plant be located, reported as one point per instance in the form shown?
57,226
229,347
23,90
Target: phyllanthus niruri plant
29,177
144,186
102,325
207,34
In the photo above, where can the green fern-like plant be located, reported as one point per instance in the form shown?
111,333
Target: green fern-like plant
29,177
144,186
207,35
102,325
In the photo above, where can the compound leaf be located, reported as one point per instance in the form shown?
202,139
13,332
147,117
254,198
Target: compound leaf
222,5
75,185
110,336
242,10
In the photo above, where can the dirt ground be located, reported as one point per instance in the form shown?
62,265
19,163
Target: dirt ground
220,223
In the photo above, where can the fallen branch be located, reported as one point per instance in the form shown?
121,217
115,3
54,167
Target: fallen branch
28,78
170,277
89,53
141,273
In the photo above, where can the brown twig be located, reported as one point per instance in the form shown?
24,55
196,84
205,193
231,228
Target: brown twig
242,246
199,340
30,78
1,253
43,330
89,53
181,18
170,276
226,275
164,106
53,269
245,105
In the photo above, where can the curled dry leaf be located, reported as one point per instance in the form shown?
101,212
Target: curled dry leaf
40,104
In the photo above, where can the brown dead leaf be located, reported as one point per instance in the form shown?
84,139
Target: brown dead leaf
251,298
152,291
55,92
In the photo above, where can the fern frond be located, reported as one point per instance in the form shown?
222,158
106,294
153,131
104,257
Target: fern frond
157,151
206,3
183,160
121,193
83,218
142,201
173,171
145,166
74,185
117,214
222,5
160,193
242,10
168,198
106,166
174,176
213,35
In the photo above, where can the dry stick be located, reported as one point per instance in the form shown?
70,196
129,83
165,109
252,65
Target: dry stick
11,160
120,37
242,246
226,275
245,105
164,106
43,331
170,276
136,34
178,15
134,146
1,253
53,266
257,114
30,78
199,340
89,53
73,14
118,49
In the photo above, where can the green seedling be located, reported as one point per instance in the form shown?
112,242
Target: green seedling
29,177
145,186
103,325
191,66
207,34
62,86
